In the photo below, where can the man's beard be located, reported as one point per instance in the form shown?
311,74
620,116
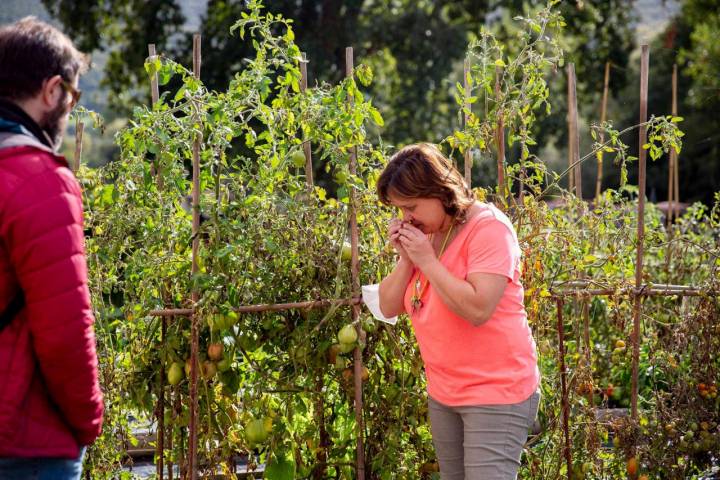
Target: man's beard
55,121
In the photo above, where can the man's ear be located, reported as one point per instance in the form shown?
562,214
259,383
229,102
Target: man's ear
51,92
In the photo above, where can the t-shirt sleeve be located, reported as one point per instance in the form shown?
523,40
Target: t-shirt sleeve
493,248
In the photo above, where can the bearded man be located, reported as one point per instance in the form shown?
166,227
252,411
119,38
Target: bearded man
51,406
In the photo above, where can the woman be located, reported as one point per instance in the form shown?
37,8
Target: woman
458,278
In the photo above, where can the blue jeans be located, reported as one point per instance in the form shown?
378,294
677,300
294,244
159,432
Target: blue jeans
41,468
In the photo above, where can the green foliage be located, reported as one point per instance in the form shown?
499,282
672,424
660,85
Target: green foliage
511,91
683,42
283,392
399,40
267,239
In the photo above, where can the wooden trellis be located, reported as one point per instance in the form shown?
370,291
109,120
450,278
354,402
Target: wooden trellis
559,292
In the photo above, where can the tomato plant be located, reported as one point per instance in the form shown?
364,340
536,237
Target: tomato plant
278,386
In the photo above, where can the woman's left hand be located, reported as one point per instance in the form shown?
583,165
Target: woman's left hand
416,244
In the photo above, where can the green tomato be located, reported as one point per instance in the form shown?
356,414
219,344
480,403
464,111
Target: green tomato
347,347
341,176
268,424
231,319
298,158
255,431
175,373
347,334
346,252
208,369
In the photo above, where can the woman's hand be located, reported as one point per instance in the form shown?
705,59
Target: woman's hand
394,235
416,245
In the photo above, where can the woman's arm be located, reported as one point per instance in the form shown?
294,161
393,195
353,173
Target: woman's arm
392,288
474,299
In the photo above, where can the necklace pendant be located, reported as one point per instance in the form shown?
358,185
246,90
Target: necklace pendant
416,303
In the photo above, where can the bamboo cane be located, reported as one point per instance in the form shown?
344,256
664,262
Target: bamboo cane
195,334
355,280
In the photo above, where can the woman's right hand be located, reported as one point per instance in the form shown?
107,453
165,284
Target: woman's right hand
394,234
392,288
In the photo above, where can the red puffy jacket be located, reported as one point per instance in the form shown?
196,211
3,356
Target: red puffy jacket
50,399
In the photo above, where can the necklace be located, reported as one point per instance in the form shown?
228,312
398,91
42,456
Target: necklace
418,290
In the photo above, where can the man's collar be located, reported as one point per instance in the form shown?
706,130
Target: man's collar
11,112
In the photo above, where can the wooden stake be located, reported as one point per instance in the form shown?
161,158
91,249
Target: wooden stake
676,177
355,280
588,344
563,388
571,167
319,471
642,157
500,139
673,170
170,465
154,89
468,151
573,134
195,334
160,444
155,96
265,307
306,144
79,130
672,183
603,113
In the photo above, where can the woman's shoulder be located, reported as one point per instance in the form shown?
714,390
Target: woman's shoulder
488,217
486,213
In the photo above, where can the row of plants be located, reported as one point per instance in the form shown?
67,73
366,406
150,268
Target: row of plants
278,386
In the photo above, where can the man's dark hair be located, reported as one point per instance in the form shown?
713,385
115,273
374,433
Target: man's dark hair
31,51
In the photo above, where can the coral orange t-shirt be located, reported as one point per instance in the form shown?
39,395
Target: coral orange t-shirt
491,364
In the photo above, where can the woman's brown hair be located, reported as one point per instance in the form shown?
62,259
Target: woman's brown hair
422,171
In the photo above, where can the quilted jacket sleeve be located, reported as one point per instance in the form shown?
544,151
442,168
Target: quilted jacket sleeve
45,242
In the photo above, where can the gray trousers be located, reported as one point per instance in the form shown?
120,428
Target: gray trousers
482,442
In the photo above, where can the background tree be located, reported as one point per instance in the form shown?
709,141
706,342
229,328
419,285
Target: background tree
416,50
415,47
690,41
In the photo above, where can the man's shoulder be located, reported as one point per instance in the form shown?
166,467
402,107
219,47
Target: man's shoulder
26,166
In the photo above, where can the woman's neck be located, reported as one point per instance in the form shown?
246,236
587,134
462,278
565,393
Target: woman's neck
447,224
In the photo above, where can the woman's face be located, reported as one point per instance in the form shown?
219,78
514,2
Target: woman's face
426,214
